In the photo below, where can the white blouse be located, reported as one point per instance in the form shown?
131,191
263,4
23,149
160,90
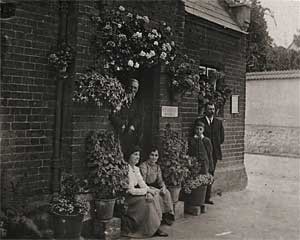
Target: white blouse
136,179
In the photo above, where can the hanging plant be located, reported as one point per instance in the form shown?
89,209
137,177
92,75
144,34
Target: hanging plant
126,41
183,77
61,58
100,89
213,89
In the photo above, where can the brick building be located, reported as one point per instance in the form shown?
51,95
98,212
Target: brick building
43,132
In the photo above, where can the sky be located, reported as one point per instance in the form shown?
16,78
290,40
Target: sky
287,18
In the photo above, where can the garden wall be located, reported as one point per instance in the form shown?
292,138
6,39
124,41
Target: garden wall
273,113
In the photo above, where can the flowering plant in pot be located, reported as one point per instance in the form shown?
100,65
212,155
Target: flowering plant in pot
173,160
62,57
127,41
213,89
100,89
196,182
108,171
68,210
183,77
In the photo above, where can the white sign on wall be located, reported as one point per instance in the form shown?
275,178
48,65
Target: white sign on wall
169,111
235,104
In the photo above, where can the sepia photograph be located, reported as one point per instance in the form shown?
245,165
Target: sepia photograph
150,119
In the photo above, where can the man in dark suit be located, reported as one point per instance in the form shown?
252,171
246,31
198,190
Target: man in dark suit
215,132
128,122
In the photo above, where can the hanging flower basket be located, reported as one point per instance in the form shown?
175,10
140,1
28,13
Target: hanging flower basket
61,58
100,89
127,41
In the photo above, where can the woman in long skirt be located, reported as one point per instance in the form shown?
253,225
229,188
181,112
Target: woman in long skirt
152,175
144,214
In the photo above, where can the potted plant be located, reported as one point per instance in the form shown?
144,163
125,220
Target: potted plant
61,58
67,210
127,42
183,77
108,172
173,161
213,89
195,183
100,89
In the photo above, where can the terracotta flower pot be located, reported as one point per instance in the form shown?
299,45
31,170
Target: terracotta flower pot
197,196
174,191
104,208
66,226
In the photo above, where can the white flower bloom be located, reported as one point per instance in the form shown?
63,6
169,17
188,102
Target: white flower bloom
142,54
151,36
155,43
146,19
148,55
164,47
136,65
119,25
152,53
121,8
168,29
130,63
163,55
154,31
169,47
172,43
137,35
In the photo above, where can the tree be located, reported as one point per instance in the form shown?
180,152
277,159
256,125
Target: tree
259,41
297,38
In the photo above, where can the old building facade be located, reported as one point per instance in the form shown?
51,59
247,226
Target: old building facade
43,131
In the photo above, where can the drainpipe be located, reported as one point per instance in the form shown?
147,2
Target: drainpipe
60,79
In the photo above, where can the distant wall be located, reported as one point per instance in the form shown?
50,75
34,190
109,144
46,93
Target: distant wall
273,113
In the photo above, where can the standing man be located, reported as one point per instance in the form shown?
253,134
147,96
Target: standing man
128,122
215,132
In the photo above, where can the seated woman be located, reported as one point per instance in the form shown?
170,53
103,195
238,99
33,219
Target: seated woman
144,215
152,175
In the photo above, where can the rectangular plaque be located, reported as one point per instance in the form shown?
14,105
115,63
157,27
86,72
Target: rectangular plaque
169,111
235,104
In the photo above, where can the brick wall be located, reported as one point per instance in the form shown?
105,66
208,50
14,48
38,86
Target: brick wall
28,93
28,89
213,46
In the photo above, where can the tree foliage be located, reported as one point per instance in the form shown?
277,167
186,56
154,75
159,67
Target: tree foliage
262,54
259,41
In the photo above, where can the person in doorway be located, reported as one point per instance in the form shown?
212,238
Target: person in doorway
152,175
200,147
144,214
128,122
214,130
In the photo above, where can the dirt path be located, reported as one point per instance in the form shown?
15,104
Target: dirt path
269,208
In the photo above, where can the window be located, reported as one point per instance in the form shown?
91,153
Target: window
213,89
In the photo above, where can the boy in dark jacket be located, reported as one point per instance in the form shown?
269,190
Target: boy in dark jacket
200,147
